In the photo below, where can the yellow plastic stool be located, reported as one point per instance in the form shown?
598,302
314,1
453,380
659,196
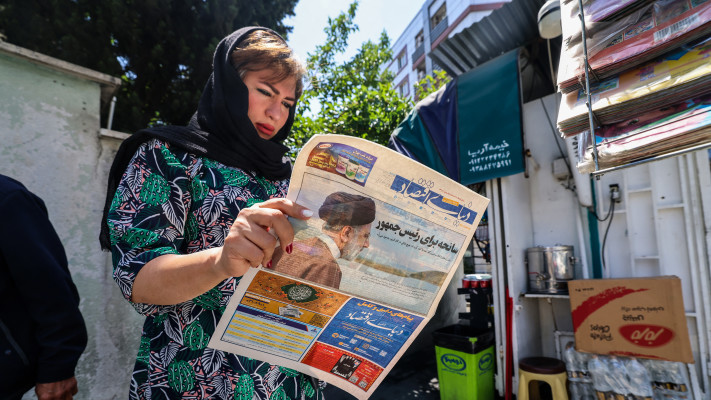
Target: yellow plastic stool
545,369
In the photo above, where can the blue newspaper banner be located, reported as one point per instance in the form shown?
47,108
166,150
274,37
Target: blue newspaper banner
370,330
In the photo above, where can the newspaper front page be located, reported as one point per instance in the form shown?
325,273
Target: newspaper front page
366,272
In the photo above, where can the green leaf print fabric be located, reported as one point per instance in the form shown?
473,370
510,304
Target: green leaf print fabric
172,202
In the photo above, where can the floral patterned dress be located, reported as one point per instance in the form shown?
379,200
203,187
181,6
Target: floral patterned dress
171,201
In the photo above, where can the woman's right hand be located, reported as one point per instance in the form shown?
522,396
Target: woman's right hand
254,233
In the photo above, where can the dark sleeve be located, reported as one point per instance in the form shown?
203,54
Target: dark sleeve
38,268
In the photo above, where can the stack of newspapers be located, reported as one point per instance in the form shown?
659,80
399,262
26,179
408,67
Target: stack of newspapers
625,33
650,73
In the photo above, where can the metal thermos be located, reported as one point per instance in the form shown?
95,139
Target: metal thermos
550,268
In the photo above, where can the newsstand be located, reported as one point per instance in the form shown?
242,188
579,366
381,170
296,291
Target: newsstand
465,362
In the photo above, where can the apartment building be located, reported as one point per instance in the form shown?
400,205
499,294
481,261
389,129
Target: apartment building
436,21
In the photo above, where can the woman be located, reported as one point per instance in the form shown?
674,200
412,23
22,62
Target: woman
190,209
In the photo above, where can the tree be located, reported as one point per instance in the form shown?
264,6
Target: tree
161,49
356,97
430,84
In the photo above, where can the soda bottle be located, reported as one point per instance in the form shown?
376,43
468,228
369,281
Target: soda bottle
640,382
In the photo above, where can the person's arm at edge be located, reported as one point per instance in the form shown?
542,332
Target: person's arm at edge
61,330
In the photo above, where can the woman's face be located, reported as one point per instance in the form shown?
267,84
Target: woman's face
269,102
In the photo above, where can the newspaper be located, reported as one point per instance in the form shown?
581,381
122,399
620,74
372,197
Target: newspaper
349,309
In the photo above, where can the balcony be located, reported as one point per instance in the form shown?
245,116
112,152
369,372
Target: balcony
419,51
438,30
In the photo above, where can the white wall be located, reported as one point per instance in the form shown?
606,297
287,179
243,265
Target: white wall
50,141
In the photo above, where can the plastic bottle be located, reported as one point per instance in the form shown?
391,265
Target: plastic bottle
657,372
617,376
574,388
640,382
571,362
587,391
677,382
582,360
598,374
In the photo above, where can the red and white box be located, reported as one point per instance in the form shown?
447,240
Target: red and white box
632,317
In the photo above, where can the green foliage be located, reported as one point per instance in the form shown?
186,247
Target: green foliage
161,49
356,96
430,84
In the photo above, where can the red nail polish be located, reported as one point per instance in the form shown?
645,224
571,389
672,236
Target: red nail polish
269,264
289,248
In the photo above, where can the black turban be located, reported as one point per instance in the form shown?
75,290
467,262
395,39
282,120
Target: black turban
341,209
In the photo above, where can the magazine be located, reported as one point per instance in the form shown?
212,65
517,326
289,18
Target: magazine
366,272
673,128
613,46
677,76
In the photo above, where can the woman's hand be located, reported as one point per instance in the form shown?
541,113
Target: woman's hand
254,233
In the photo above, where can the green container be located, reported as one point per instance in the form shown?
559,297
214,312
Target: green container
465,362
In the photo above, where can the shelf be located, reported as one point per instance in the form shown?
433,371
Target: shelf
474,290
670,206
546,295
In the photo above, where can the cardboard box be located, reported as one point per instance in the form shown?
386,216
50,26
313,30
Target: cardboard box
634,317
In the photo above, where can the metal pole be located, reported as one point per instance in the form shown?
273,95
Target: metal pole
702,146
111,113
587,85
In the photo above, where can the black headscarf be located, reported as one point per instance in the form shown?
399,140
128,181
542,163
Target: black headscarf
220,129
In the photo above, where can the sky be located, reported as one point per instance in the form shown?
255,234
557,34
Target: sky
372,17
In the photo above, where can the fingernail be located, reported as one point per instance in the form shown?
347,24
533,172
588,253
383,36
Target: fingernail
289,248
269,264
307,213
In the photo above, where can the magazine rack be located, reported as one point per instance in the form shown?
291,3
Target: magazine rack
588,70
592,118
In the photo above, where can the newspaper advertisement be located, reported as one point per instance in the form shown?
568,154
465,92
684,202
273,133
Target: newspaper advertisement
366,271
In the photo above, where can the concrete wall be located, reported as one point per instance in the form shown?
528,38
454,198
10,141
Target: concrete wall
50,139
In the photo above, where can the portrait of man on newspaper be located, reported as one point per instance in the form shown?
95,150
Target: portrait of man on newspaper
347,219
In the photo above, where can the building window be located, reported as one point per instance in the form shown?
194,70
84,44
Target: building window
438,16
419,38
402,60
403,88
421,72
419,46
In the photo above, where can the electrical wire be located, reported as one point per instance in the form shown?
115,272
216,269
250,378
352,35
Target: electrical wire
604,239
560,149
609,211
